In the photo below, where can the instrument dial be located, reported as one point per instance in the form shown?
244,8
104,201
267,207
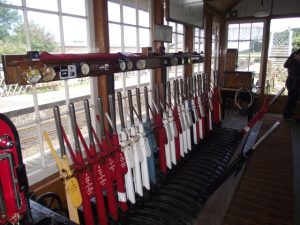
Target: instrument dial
129,65
141,64
33,76
48,74
85,68
122,65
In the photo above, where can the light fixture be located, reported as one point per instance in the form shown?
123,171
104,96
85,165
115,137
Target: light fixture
261,12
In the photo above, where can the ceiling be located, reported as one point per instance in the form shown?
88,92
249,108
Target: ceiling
222,6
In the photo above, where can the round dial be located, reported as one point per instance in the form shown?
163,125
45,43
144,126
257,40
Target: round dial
84,68
141,64
129,65
122,65
33,76
48,74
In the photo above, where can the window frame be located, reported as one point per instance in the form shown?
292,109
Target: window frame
48,168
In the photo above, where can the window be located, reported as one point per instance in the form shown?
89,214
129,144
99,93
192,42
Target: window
129,31
198,46
284,39
247,38
44,26
177,45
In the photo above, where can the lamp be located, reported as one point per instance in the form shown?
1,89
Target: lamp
261,12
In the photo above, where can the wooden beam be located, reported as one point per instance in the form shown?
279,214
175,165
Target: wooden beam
102,43
188,44
208,41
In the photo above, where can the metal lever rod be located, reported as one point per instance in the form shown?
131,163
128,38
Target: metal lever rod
88,120
74,127
59,131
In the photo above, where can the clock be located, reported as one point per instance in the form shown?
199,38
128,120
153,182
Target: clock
141,64
84,68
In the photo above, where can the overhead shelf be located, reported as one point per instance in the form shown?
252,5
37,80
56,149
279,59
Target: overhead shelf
35,67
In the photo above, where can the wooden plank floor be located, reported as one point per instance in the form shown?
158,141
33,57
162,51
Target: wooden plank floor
265,193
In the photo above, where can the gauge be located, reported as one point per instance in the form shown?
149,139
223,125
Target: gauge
141,64
189,60
33,76
84,68
129,65
48,73
175,61
122,65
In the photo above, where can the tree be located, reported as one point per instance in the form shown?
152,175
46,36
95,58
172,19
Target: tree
12,37
296,39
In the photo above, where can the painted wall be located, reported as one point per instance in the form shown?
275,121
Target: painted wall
247,8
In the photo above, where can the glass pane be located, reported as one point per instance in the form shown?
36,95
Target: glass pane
12,36
196,32
144,18
196,47
50,5
179,71
284,36
145,76
243,64
12,2
144,37
129,36
79,87
179,42
129,15
131,79
73,7
171,72
118,78
257,31
44,32
173,25
233,31
244,47
232,44
113,12
72,37
245,31
114,35
180,28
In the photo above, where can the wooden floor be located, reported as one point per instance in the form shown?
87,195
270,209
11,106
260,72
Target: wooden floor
265,193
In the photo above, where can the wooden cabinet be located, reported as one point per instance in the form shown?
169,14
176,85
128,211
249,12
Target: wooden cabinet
238,79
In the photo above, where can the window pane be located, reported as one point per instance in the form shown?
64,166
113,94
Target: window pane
145,76
144,37
113,12
12,38
233,31
232,44
144,18
179,71
179,42
44,32
180,28
50,5
114,36
173,25
196,32
72,37
243,64
79,87
73,7
131,79
257,31
171,72
245,31
129,15
11,2
118,78
129,36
